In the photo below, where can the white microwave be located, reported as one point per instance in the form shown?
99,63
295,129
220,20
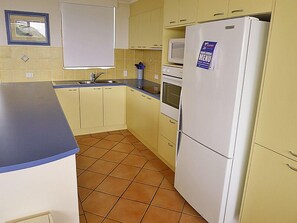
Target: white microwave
176,50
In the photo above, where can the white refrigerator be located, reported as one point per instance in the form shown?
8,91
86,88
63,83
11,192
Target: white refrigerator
222,70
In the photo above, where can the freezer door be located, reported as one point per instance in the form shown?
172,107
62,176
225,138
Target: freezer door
202,178
211,97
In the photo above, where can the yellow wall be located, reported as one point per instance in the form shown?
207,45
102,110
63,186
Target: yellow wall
46,64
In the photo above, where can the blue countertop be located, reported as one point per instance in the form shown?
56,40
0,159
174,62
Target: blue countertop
150,88
33,128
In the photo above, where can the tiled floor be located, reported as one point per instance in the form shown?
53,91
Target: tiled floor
120,180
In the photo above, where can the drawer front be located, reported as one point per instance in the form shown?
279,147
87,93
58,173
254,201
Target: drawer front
166,150
168,128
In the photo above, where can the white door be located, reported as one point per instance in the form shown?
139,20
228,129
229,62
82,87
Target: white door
202,178
211,97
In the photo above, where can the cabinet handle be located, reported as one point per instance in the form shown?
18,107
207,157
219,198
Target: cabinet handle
108,88
169,144
292,168
183,20
237,10
98,89
72,90
293,154
171,22
172,122
143,95
149,98
218,14
132,90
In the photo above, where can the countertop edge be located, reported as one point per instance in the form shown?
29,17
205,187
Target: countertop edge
35,163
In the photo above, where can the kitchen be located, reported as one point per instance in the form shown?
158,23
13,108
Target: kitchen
269,119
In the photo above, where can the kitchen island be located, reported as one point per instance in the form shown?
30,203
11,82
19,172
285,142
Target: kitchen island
37,161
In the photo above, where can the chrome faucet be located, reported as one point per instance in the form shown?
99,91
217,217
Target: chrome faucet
95,76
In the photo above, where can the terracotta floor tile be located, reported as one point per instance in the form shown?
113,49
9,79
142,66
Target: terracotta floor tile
160,215
81,211
83,162
114,156
126,141
103,167
83,193
136,152
132,139
88,141
79,171
191,219
115,137
91,218
116,132
156,165
126,132
82,148
105,144
125,172
148,154
90,180
188,209
82,219
149,177
168,199
114,186
127,211
95,152
140,146
99,203
140,192
123,147
100,135
109,221
166,185
134,160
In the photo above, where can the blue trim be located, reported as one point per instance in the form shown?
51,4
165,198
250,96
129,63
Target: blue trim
38,162
10,41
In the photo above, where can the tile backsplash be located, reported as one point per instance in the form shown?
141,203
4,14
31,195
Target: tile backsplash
46,64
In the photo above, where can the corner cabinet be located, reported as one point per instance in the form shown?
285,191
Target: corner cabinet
180,12
143,117
270,190
69,101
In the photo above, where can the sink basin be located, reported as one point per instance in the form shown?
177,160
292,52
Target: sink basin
107,81
86,82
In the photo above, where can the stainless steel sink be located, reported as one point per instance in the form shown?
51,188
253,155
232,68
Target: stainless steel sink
86,82
107,81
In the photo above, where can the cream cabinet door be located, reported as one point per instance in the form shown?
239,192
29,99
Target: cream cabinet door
187,11
212,10
166,150
114,105
171,12
277,119
134,116
271,189
134,32
69,101
156,28
249,7
91,107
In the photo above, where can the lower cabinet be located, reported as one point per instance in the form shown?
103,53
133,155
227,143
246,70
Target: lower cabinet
114,105
69,100
270,194
167,139
91,107
143,117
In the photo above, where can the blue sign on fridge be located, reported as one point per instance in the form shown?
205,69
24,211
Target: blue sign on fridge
206,54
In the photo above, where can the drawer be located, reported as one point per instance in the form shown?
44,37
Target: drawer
168,128
166,150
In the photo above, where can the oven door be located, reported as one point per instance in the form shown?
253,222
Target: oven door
170,96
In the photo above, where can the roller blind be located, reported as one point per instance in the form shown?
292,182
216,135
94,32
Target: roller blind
88,35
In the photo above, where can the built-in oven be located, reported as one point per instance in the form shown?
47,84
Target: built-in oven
170,90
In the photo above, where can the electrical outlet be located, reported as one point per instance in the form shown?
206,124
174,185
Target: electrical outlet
29,75
125,73
156,76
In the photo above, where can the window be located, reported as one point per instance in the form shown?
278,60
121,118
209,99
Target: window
88,35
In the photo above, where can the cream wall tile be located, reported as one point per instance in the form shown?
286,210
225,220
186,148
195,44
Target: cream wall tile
5,52
57,75
6,76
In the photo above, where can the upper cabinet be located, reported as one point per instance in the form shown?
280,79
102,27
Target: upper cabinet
213,10
145,25
179,12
